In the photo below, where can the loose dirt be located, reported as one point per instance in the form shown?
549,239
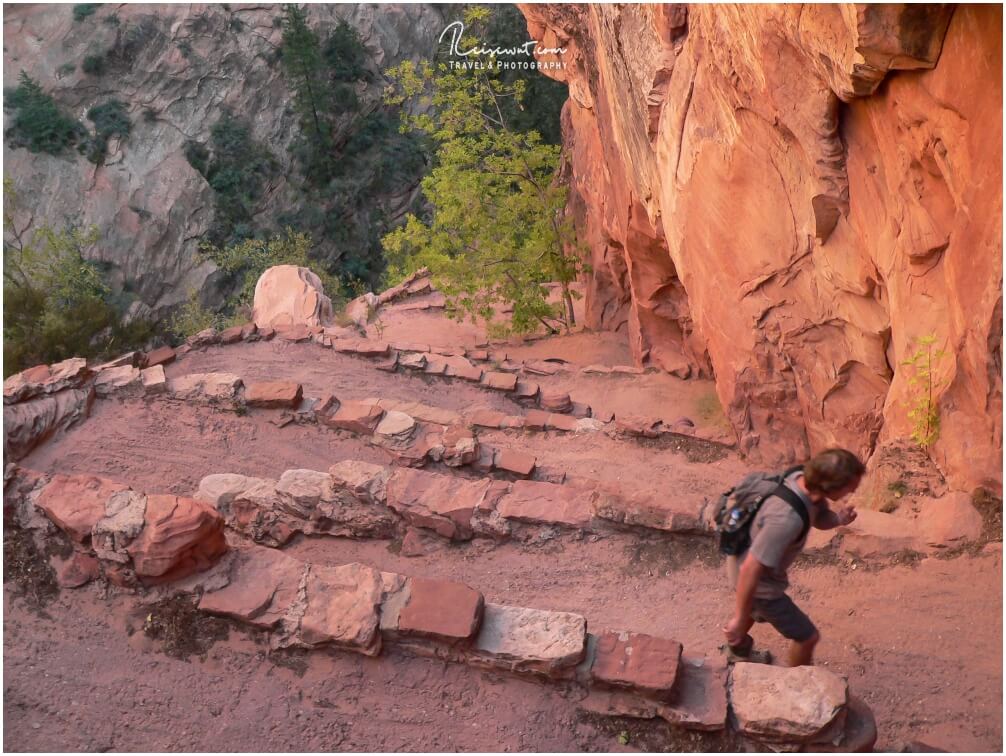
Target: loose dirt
920,641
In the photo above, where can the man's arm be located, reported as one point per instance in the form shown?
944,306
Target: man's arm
747,580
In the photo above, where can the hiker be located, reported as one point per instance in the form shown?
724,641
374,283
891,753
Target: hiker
778,533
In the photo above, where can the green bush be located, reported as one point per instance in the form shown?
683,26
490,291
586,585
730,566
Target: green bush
345,54
93,64
197,155
54,300
236,169
38,124
83,10
110,119
66,69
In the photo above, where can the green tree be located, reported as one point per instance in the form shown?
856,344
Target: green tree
38,123
923,409
302,63
54,300
498,230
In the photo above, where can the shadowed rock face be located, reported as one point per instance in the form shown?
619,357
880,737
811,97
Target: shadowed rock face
792,196
176,67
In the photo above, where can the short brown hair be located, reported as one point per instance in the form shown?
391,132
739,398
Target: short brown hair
831,470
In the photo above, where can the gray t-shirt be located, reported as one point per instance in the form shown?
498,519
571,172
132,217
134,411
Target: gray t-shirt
773,539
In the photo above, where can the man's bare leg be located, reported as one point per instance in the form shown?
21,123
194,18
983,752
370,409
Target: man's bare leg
801,654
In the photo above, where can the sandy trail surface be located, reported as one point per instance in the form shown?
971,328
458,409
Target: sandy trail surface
920,643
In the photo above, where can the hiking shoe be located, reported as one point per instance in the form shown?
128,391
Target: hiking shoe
745,652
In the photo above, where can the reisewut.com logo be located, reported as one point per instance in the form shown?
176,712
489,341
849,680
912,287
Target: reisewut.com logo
503,58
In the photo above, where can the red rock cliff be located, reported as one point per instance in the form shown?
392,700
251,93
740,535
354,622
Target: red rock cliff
792,196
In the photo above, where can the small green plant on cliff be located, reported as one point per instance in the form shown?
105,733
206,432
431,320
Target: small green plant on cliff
923,411
498,230
93,64
54,300
84,10
38,124
109,119
191,317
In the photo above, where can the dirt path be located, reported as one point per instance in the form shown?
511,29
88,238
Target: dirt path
921,644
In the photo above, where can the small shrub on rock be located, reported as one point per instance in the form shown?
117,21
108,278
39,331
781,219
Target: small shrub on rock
38,123
94,64
84,10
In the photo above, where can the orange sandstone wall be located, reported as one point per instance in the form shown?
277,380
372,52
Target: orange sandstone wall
791,196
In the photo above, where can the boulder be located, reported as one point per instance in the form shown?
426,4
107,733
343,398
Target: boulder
29,423
263,586
950,520
536,419
273,394
206,337
76,571
46,379
530,640
300,491
561,423
160,356
699,701
360,309
232,335
500,381
555,401
638,661
75,503
541,367
154,380
412,360
288,295
486,418
637,425
547,504
363,479
204,386
441,503
123,520
516,462
786,704
395,424
355,417
342,609
427,414
676,514
527,392
460,446
115,379
441,610
133,359
180,536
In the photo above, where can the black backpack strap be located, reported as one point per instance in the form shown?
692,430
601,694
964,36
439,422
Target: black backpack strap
795,501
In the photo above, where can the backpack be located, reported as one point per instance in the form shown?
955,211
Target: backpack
735,509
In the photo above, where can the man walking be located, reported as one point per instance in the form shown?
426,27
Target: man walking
778,535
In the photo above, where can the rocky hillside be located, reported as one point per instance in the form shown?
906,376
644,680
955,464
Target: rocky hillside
178,69
796,195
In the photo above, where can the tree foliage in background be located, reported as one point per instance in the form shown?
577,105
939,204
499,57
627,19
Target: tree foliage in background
498,232
352,155
541,106
38,123
55,302
110,119
237,170
245,262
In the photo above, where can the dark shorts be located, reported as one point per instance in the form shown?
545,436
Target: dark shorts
784,616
